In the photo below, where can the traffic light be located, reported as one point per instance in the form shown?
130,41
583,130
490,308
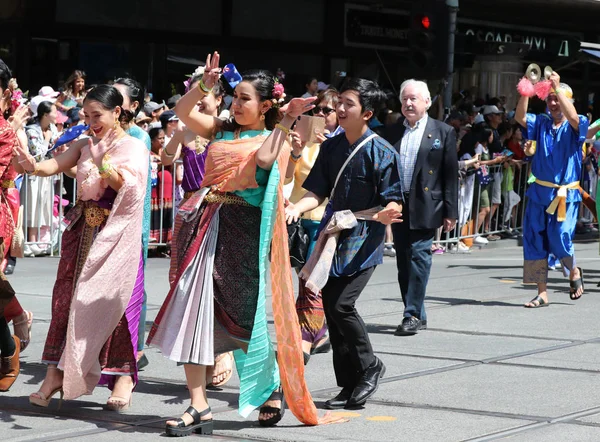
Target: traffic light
422,41
428,38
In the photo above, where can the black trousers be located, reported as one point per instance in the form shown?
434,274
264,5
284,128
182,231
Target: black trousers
352,351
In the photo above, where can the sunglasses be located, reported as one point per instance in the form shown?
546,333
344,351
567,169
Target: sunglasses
324,109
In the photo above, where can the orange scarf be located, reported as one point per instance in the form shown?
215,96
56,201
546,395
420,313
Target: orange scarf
231,166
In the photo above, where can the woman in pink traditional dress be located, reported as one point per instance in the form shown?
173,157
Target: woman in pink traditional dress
98,293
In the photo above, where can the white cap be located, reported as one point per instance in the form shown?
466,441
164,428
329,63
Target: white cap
48,92
35,102
479,119
487,110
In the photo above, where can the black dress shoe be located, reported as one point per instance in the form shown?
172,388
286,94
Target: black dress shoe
9,270
367,385
143,362
340,400
410,326
424,325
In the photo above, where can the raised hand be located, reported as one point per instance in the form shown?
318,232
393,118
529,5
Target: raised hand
19,117
104,145
298,106
211,70
555,80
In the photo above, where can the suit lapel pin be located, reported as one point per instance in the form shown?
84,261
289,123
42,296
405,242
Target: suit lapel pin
429,136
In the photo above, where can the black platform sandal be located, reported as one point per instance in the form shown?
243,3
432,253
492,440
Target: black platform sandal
277,395
198,426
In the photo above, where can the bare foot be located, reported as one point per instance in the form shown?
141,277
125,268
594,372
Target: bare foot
575,275
221,372
535,302
52,381
121,393
306,346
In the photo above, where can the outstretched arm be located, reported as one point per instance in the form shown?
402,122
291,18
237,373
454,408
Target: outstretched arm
61,163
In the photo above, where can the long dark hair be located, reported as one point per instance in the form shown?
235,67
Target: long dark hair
484,136
44,108
108,96
70,83
135,92
264,82
5,76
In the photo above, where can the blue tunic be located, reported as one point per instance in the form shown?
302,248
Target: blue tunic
558,156
371,179
558,160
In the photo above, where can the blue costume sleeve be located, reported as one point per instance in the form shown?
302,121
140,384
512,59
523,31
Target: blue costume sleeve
532,129
584,124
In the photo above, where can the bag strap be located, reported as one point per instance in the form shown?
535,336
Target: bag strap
354,152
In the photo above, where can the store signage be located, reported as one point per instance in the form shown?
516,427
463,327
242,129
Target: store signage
550,44
378,29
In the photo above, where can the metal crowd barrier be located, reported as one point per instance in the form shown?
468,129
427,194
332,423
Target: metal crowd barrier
467,226
49,238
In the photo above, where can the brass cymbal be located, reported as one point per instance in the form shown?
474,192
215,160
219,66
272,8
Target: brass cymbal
548,72
533,73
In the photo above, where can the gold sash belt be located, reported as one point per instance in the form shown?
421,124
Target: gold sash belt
225,198
7,184
560,201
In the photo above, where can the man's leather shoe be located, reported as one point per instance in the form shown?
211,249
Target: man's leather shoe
9,270
367,385
424,325
340,400
410,326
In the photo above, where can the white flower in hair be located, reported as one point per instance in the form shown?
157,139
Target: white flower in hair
199,71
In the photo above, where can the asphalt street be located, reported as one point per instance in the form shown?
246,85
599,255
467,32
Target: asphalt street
486,369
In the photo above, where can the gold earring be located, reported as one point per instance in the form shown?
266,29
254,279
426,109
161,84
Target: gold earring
116,126
262,117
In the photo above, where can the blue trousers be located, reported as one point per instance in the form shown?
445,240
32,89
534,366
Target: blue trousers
413,260
542,235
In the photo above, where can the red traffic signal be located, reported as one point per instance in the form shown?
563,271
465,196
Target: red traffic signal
421,22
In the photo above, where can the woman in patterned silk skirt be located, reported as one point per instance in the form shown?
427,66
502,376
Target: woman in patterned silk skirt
217,301
98,293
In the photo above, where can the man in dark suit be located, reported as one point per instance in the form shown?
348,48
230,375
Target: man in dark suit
429,174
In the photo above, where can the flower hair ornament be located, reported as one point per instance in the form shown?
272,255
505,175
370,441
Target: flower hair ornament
278,94
17,98
198,72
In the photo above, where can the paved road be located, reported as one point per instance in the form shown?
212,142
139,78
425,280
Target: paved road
486,369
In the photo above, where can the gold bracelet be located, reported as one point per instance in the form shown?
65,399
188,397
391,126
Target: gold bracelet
282,128
35,171
167,154
203,87
105,171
